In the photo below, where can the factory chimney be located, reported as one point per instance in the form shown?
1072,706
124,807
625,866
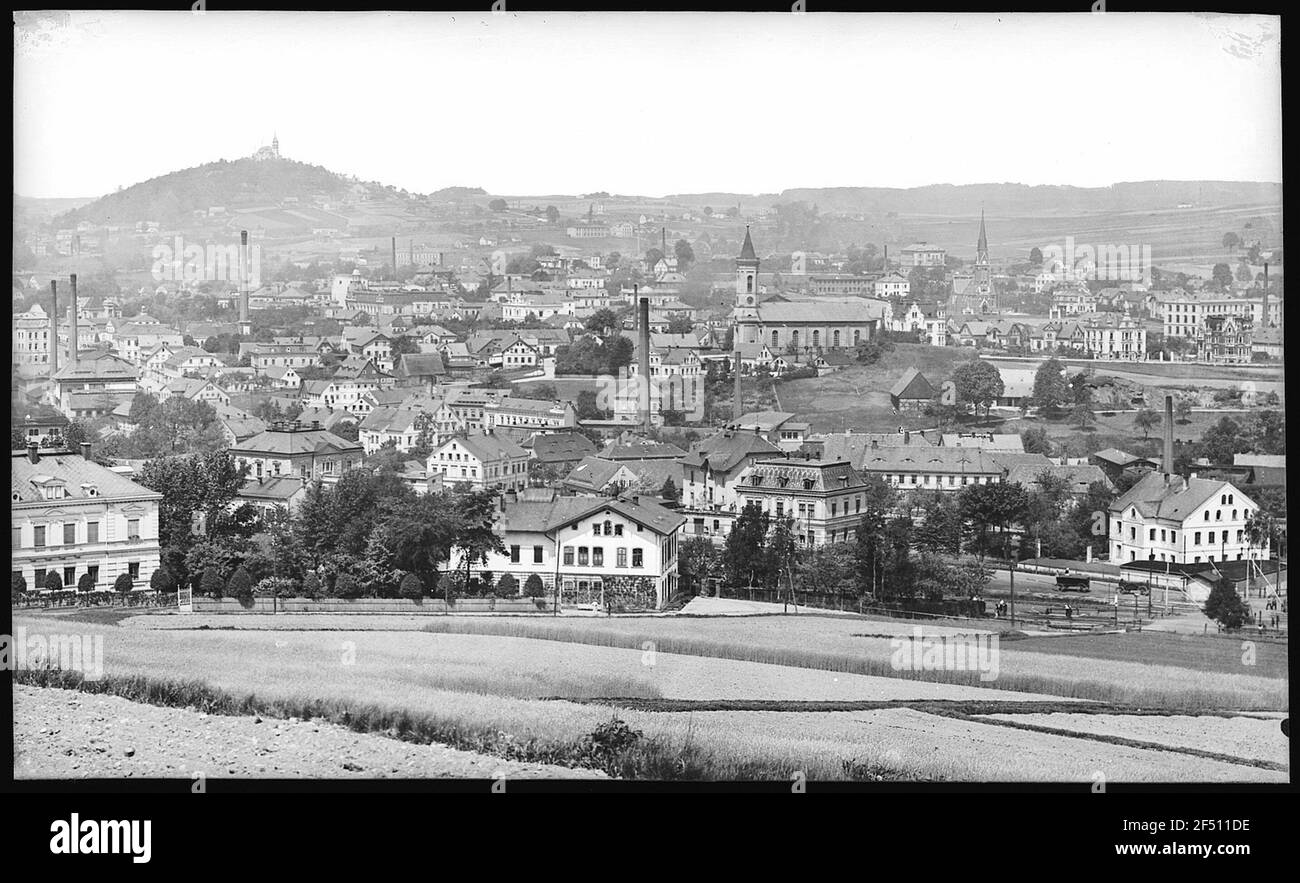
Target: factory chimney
73,334
54,329
1169,436
394,258
245,325
886,264
643,388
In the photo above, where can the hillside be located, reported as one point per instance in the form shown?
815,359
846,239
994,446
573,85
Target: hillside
174,197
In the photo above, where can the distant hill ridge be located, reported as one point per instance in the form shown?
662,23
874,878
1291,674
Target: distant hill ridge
230,184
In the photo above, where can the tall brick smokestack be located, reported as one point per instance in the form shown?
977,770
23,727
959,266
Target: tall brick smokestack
245,325
54,329
1169,435
394,258
885,266
643,388
73,331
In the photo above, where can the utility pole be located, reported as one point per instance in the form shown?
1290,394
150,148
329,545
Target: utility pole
1014,557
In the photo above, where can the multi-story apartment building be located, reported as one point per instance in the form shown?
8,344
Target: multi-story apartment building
481,460
1227,339
1182,521
1183,313
1114,336
922,254
73,517
824,498
31,344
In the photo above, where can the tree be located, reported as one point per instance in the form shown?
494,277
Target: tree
939,530
240,586
1222,276
412,587
161,581
1036,256
212,584
1082,415
1183,410
878,500
1231,241
603,321
508,586
311,587
743,557
53,582
685,255
1049,386
669,491
1145,420
552,215
995,507
697,561
17,586
533,586
87,583
680,325
123,584
1036,441
451,585
1225,606
498,205
979,384
346,586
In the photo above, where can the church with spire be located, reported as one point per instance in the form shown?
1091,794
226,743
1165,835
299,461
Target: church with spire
973,294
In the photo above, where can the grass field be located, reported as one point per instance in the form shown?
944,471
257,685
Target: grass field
857,397
489,685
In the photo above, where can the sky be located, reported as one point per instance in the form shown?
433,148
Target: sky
648,103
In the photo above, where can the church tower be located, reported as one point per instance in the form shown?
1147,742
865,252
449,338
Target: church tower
275,145
746,312
983,296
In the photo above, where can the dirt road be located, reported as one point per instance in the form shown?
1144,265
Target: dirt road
60,734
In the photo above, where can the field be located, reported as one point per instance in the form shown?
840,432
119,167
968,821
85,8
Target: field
725,697
857,397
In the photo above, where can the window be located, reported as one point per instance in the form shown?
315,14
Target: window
598,556
514,554
69,533
537,554
620,557
637,557
134,570
618,530
69,577
1153,533
582,556
18,538
38,536
1196,538
38,581
133,529
568,556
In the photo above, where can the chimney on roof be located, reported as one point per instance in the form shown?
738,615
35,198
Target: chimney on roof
1169,435
72,325
33,452
85,450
